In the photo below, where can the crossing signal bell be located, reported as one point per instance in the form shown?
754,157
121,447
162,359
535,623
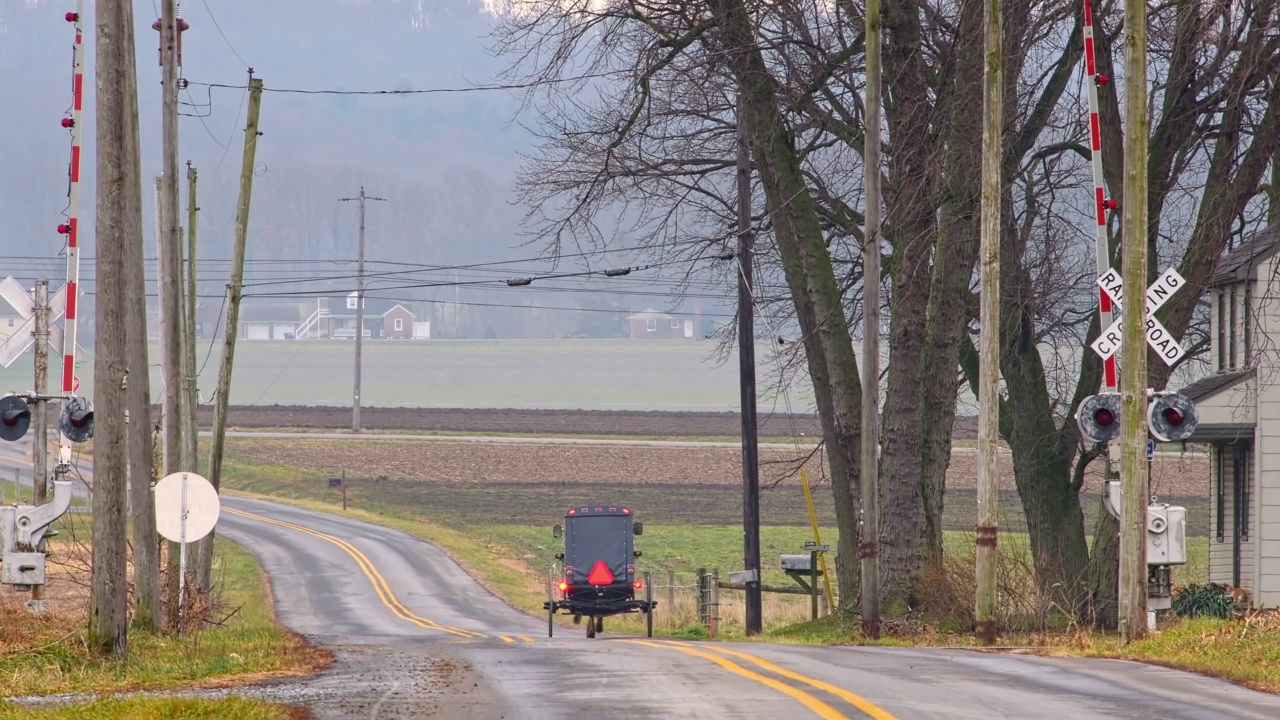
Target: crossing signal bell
1172,418
15,417
1098,417
76,420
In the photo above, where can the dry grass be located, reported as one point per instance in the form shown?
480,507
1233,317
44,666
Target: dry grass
154,708
48,654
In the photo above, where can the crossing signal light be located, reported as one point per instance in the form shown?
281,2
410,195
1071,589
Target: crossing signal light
15,417
76,419
1098,417
1172,418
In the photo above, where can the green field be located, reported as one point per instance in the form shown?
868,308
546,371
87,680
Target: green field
568,374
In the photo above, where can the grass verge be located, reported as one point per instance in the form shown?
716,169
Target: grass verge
154,708
44,655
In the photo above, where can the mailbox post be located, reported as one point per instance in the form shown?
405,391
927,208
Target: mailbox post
801,566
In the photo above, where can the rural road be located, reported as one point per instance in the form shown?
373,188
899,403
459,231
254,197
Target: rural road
415,636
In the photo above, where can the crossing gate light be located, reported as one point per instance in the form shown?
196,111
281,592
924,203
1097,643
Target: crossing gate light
76,420
1098,417
15,417
1172,417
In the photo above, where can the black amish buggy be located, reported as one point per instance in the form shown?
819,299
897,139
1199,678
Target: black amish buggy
599,577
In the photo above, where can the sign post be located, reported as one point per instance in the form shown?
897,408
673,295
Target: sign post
187,509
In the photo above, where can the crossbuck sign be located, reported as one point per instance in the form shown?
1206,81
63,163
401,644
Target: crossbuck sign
1168,348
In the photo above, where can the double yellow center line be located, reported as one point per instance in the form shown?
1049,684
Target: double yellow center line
710,652
379,582
715,653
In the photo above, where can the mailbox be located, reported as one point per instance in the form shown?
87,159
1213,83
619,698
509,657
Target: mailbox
797,562
335,482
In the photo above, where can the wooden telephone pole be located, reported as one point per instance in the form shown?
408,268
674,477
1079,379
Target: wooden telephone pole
40,415
170,255
119,219
190,387
747,382
869,547
989,319
1133,371
355,394
235,287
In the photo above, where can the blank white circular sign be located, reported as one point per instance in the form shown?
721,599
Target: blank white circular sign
202,507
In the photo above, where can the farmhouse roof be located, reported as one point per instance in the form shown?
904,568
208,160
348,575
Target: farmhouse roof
1238,265
393,307
272,312
649,314
1204,387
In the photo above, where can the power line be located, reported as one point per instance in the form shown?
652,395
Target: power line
224,35
425,91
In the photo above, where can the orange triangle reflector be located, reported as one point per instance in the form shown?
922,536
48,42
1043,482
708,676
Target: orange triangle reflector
600,574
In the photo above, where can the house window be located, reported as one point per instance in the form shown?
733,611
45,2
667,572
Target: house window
10,322
1222,330
351,301
1231,335
399,323
675,324
1248,322
651,325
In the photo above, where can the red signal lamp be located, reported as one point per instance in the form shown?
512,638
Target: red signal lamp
72,16
64,229
1104,417
68,122
1110,204
1101,79
1173,417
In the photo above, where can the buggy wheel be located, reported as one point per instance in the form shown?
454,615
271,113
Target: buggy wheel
591,627
600,624
648,620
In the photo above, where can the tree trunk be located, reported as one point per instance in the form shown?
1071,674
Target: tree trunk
1104,572
955,255
108,614
910,214
146,547
807,266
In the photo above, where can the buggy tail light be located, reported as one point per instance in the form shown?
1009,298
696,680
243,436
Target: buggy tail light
564,586
639,584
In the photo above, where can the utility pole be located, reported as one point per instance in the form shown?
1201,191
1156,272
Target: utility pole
191,386
747,382
355,395
142,464
119,214
1133,371
869,547
234,289
40,451
170,255
40,446
989,319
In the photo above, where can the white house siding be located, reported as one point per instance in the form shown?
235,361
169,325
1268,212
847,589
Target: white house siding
1265,510
1221,566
